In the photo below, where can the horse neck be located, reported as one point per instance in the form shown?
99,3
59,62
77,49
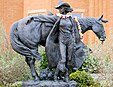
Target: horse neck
86,24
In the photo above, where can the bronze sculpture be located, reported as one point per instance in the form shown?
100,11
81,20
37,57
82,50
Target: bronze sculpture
67,33
27,35
68,38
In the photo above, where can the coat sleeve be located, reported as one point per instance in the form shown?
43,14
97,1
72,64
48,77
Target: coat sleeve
45,18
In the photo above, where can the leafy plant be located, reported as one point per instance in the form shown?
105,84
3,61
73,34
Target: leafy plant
12,65
19,85
91,64
44,62
83,79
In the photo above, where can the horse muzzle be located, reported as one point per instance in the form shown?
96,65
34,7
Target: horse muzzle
102,38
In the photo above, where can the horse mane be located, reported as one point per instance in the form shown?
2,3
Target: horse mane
87,21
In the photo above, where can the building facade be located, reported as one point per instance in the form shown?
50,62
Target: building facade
10,11
13,10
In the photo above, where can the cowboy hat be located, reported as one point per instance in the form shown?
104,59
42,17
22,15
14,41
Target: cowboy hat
61,3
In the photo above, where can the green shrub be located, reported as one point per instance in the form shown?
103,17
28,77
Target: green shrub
44,62
83,79
12,65
12,86
17,86
13,68
91,64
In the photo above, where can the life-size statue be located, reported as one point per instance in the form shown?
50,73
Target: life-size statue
68,36
60,36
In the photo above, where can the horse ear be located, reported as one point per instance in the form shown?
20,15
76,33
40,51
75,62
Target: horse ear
29,20
100,18
104,21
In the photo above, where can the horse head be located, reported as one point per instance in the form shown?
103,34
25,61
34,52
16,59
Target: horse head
98,28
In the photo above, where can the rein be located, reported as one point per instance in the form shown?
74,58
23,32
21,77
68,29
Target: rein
98,47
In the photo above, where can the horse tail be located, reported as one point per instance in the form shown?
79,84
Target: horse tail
16,43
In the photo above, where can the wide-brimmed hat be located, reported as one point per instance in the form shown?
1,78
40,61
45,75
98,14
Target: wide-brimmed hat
61,3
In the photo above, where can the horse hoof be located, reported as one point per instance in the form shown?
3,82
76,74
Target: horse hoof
36,79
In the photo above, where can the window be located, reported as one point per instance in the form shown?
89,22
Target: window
36,12
78,12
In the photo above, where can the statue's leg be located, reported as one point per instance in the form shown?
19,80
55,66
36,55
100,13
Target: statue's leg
56,74
31,63
70,48
66,77
61,69
63,51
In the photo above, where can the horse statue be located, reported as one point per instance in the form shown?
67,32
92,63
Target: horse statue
27,33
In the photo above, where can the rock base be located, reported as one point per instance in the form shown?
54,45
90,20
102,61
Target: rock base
49,84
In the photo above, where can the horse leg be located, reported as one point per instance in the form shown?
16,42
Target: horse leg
31,64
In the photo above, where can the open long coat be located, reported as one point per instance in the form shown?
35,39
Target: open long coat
79,54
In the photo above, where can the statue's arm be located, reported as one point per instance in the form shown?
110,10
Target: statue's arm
45,18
